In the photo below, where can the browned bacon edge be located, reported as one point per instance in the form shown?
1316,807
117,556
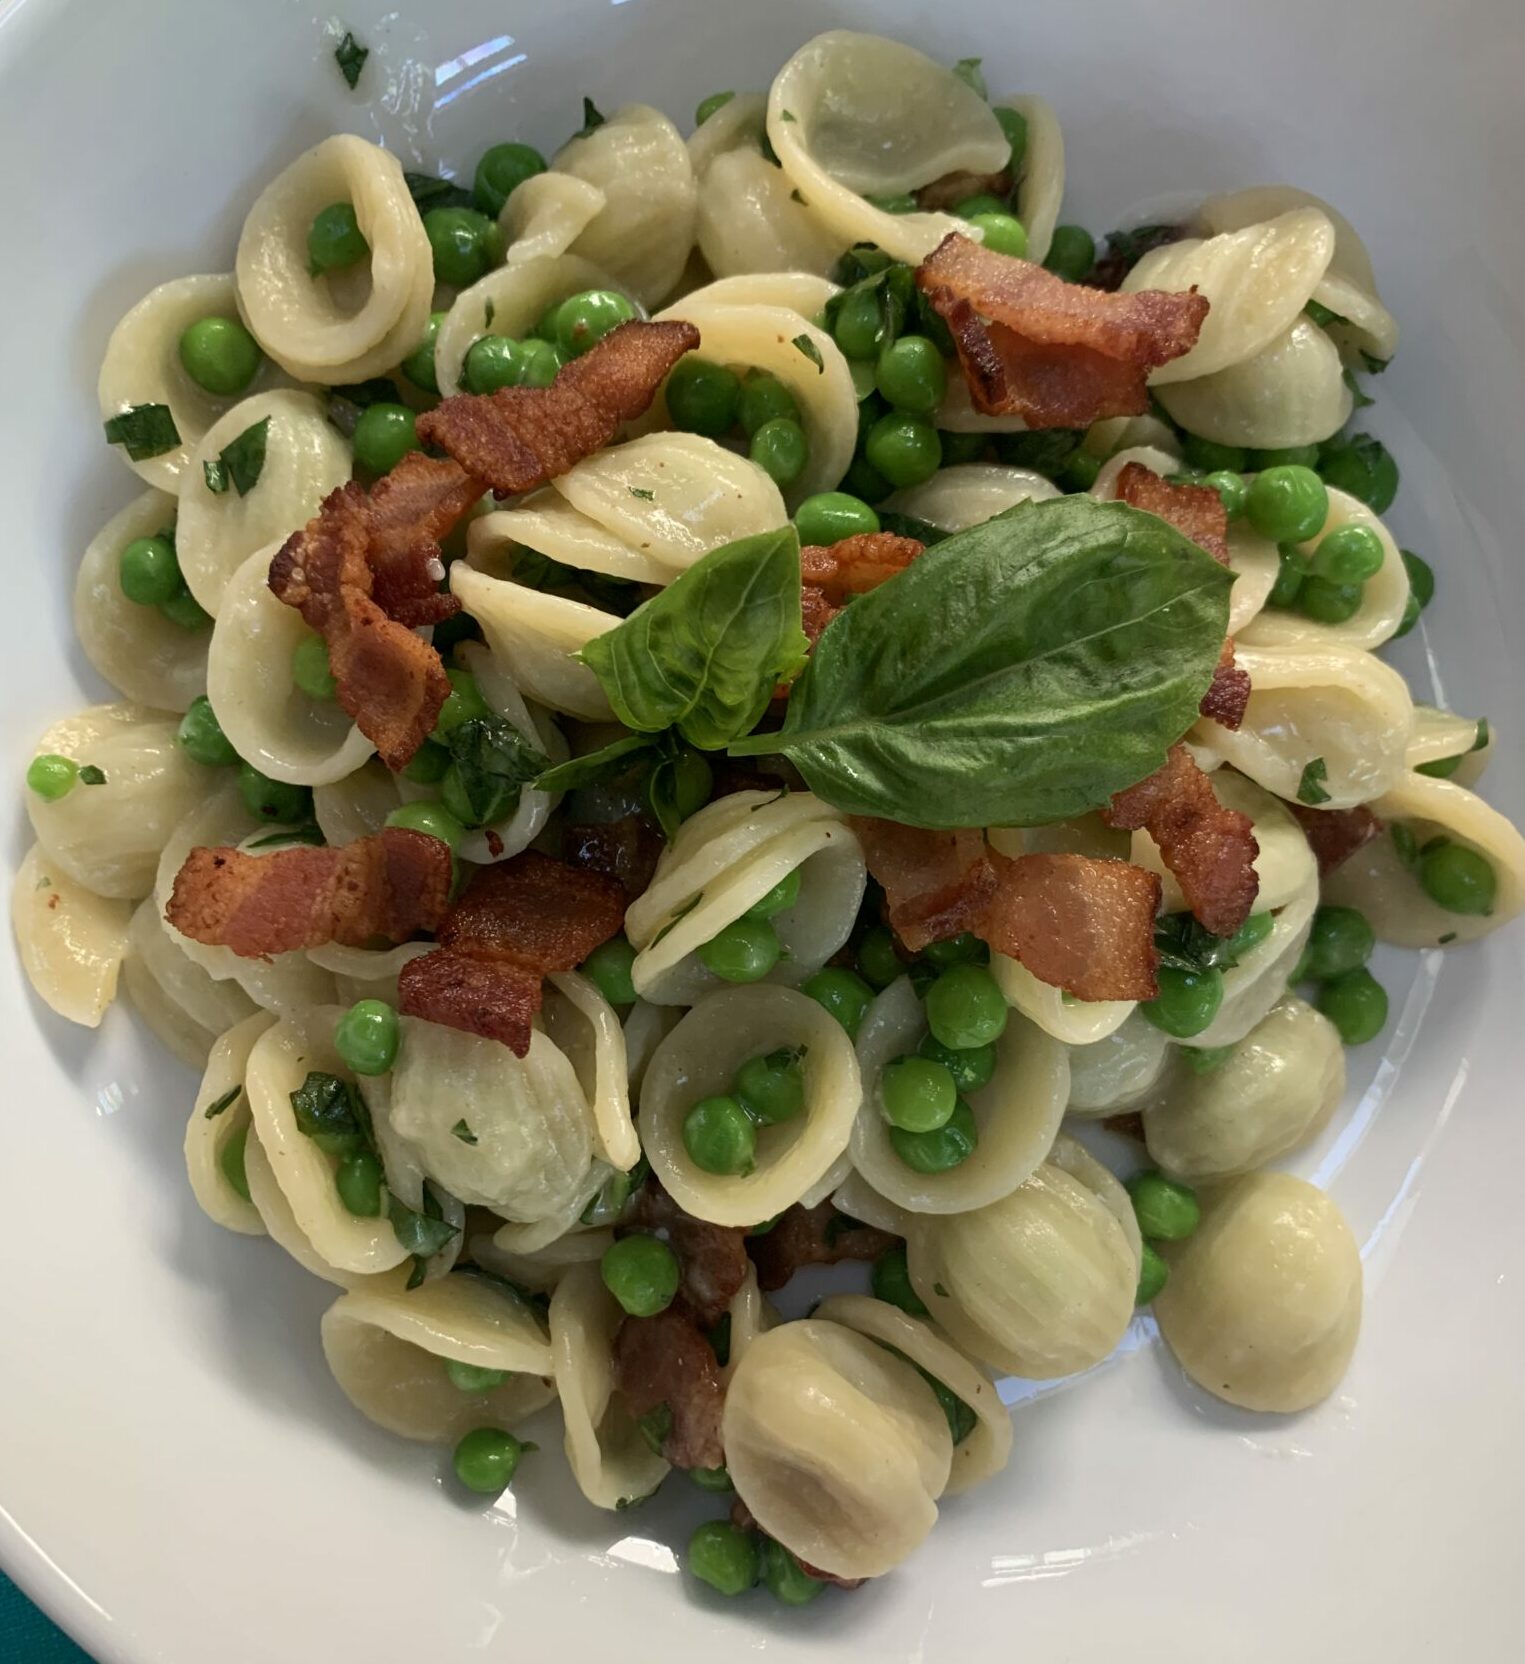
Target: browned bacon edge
666,1361
1334,835
831,573
812,1236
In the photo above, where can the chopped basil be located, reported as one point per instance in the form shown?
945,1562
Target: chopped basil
787,115
906,525
226,1101
940,1291
536,571
655,1426
90,775
1481,742
429,191
1358,393
1187,945
216,475
1310,788
677,918
422,1234
461,1131
592,118
1449,937
327,1107
595,766
968,71
242,460
1322,315
811,351
493,763
794,196
147,430
350,56
641,492
346,403
1374,365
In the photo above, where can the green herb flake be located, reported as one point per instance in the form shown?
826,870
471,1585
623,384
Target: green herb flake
216,476
794,196
1185,944
1322,315
421,1234
493,763
641,492
1374,365
461,1131
677,918
1310,788
596,766
326,1107
787,115
655,1427
803,343
1483,735
1446,940
226,1101
592,118
147,430
428,191
489,312
940,1291
243,459
969,72
350,56
1360,398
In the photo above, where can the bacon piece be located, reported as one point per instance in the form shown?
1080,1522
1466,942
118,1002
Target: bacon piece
1334,835
520,437
813,1236
364,573
1125,249
390,886
1228,694
854,565
1057,354
935,883
816,612
1077,923
1196,511
954,188
515,921
626,850
1210,849
744,1519
712,1259
665,1361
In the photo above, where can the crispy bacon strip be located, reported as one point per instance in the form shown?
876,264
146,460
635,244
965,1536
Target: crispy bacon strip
1228,694
364,573
813,1236
514,922
666,1360
1056,354
1210,849
390,886
954,188
935,883
1334,835
831,573
712,1259
520,437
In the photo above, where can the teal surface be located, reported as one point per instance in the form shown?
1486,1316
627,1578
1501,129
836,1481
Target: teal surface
26,1636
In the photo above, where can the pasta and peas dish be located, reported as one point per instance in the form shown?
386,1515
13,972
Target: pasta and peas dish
700,709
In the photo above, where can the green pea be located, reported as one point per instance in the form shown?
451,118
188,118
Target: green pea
719,1136
486,1460
712,1479
771,1087
1289,456
384,435
937,1152
1209,457
492,361
912,375
963,447
418,366
641,1272
185,611
1356,1003
1362,466
865,481
1079,471
434,820
703,397
473,1378
1457,878
501,171
367,1037
1255,929
1002,233
1341,940
901,203
971,1066
890,1281
1186,1003
1203,1060
1166,1211
829,516
692,782
1234,489
220,355
334,239
584,320
464,703
743,951
1014,126
715,101
1327,603
1348,555
916,1094
877,958
201,735
779,899
608,968
273,800
461,241
860,324
784,1578
1290,577
232,1162
539,363
310,671
428,766
963,949
51,776
841,992
780,449
358,1179
1071,252
1421,590
984,203
149,571
904,448
764,398
722,1554
1288,505
1152,1276
965,1007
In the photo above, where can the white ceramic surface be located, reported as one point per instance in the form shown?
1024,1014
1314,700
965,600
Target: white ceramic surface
180,1481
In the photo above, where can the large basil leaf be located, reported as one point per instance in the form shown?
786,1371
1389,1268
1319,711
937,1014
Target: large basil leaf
704,654
595,766
1020,672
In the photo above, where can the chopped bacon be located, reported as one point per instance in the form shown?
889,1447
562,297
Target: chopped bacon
1125,249
665,1361
935,883
816,612
954,188
744,1519
1334,835
854,565
1210,849
625,850
712,1259
515,921
1057,354
388,886
813,1236
520,437
365,573
1228,694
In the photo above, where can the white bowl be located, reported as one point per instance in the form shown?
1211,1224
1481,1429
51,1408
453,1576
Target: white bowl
179,1478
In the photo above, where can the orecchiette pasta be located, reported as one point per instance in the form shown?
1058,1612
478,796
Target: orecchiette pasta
545,215
186,1009
216,1124
71,941
970,494
1040,189
583,1024
1117,1072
